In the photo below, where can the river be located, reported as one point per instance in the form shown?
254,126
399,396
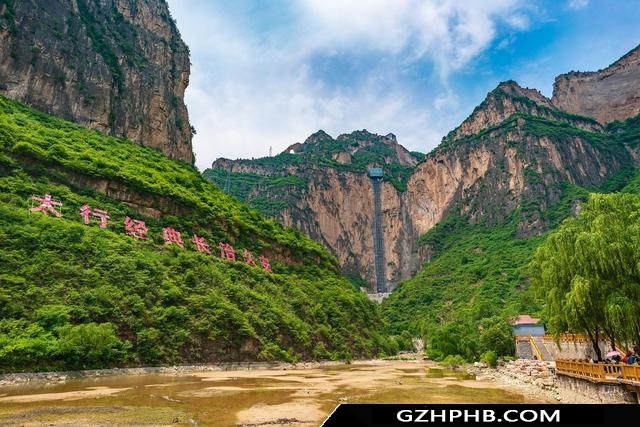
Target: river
256,397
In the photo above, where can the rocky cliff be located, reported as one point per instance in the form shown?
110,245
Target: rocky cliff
510,98
118,66
518,157
524,163
321,188
606,95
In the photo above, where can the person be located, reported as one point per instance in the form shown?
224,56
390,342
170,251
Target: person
631,359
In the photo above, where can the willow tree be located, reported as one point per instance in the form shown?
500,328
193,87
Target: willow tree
588,272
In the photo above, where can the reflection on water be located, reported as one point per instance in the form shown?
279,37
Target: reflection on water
437,372
293,397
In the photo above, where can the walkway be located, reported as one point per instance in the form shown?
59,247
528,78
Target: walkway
600,372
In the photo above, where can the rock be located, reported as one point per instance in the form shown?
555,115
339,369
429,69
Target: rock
116,66
606,95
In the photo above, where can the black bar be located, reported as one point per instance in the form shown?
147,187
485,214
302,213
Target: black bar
379,415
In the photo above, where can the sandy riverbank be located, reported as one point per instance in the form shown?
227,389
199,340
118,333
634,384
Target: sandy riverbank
530,377
251,394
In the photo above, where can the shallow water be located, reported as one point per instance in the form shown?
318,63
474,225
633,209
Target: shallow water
292,397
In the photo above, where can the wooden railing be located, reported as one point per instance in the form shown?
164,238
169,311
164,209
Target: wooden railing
600,372
568,338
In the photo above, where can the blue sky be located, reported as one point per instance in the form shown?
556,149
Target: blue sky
270,73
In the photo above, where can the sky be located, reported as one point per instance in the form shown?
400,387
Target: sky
267,74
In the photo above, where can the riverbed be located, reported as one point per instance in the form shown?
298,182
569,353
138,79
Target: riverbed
290,395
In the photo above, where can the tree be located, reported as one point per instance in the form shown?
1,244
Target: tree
496,336
588,272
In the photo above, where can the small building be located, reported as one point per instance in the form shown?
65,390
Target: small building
527,325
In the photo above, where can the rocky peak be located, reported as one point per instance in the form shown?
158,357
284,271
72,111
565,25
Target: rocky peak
318,136
606,95
509,98
346,145
118,66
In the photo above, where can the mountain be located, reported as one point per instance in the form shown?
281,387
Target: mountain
104,262
322,188
499,192
516,151
460,226
118,66
487,196
606,95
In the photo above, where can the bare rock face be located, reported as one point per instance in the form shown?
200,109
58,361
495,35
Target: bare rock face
606,95
333,200
118,66
507,169
504,101
337,210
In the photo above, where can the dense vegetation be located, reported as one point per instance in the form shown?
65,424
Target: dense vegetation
78,296
460,302
477,276
587,272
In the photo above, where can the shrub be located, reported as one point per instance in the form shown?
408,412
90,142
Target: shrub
490,358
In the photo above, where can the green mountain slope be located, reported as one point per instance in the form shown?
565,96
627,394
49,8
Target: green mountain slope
74,295
478,270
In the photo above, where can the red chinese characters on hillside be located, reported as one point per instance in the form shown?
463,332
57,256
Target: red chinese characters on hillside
85,212
47,205
264,262
137,229
201,245
227,251
172,236
248,258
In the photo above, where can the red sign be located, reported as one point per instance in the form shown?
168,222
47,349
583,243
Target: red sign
248,258
172,236
135,228
138,229
85,211
201,245
47,205
227,251
264,262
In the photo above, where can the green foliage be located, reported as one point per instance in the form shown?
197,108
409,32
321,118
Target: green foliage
496,336
476,271
76,296
587,273
490,358
453,361
90,345
477,275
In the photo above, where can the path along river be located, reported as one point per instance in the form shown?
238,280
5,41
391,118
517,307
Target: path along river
300,396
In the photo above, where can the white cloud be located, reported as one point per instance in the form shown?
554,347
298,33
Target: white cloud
250,91
578,4
449,32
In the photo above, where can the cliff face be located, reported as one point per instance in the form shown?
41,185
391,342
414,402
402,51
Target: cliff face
118,66
606,95
321,187
337,210
510,98
513,158
515,166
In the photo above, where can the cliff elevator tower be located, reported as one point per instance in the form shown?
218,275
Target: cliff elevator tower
376,174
